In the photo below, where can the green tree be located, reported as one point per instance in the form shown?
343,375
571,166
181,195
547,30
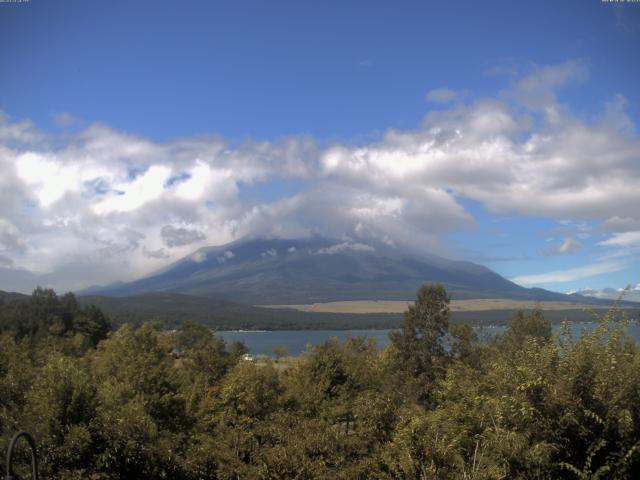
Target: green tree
59,412
44,314
524,325
141,413
92,324
202,363
418,344
465,345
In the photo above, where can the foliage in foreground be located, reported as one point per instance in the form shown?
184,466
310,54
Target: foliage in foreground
146,403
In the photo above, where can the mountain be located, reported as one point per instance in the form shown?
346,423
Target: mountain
263,271
6,297
630,294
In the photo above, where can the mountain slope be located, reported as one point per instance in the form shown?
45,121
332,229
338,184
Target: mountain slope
6,297
276,271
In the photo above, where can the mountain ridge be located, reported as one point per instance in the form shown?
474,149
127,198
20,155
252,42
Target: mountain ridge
262,270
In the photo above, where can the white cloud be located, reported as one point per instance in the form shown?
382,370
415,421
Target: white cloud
345,247
570,274
569,245
70,199
269,253
227,255
625,239
199,256
538,89
631,294
132,195
207,182
615,116
160,253
64,119
621,224
20,132
10,237
441,95
173,236
48,178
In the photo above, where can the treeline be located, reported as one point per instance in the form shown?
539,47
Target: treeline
173,309
143,403
44,315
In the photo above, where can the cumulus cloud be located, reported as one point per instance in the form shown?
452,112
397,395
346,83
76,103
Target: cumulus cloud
130,196
269,253
18,132
569,245
179,236
120,205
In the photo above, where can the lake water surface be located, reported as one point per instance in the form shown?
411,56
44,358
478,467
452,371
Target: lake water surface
296,341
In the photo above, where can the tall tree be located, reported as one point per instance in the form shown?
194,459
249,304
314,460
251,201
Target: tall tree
418,344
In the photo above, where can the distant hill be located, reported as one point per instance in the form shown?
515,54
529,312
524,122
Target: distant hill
6,297
261,271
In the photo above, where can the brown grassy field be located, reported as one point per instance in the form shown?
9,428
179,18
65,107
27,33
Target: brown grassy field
393,306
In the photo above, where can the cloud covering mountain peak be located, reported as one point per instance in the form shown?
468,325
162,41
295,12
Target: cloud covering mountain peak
102,200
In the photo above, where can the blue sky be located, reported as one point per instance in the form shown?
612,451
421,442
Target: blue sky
494,131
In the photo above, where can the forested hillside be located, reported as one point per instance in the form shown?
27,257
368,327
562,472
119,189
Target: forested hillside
172,309
153,404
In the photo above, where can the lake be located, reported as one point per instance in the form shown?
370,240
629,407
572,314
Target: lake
296,341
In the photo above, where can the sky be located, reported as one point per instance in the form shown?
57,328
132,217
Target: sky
504,133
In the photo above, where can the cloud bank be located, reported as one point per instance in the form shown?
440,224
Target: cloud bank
570,274
100,205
